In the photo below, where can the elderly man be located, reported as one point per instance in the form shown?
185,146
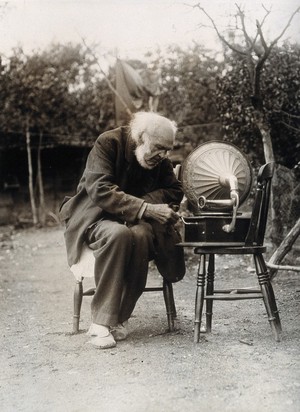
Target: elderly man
123,211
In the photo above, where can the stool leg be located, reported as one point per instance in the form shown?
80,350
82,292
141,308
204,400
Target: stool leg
199,297
78,293
169,302
210,291
268,295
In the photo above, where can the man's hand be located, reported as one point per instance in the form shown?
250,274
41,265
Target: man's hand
162,213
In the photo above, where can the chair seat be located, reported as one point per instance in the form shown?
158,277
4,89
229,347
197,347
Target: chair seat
84,268
230,250
223,248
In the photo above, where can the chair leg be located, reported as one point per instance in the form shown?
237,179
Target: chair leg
268,295
170,303
272,295
78,293
210,291
174,311
199,297
275,309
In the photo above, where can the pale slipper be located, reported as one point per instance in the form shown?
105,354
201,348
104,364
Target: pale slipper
103,342
102,338
120,331
97,330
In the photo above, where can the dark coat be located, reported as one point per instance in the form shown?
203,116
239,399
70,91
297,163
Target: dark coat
115,186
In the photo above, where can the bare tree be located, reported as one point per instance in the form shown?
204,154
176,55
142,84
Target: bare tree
30,175
256,52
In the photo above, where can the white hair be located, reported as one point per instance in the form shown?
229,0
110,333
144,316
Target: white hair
145,121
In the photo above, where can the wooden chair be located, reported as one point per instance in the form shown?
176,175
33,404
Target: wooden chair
79,293
253,245
85,268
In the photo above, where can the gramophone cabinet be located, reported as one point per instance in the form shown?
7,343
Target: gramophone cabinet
208,228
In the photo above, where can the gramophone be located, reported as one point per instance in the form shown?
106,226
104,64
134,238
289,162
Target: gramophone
216,179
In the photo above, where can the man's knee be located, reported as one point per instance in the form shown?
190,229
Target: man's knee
113,234
142,233
122,233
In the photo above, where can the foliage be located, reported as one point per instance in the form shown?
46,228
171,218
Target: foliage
280,87
55,92
61,93
188,91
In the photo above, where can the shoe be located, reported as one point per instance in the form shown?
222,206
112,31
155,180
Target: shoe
120,332
103,342
97,330
102,338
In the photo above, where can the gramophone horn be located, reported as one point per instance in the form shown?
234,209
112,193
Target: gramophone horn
216,176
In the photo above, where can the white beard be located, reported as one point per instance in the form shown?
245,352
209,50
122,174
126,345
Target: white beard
140,152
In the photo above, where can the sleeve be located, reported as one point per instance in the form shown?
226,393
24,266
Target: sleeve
100,182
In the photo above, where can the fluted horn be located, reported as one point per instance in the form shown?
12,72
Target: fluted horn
217,177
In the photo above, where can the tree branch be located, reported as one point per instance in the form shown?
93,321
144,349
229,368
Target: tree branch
267,51
285,28
283,267
107,79
248,40
295,129
221,37
250,44
263,41
285,246
292,116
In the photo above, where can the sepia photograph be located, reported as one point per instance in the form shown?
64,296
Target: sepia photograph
150,205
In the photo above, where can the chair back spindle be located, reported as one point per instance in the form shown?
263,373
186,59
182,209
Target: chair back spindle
258,222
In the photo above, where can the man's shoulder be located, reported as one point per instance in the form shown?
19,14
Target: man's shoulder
118,133
113,141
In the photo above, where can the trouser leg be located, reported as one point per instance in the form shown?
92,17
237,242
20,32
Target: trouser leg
136,275
112,245
121,265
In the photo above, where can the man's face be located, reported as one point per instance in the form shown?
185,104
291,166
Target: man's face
153,149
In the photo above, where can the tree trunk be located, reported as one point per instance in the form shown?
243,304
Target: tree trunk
42,209
276,221
285,246
264,129
30,179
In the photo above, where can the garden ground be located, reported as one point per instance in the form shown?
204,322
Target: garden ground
238,367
